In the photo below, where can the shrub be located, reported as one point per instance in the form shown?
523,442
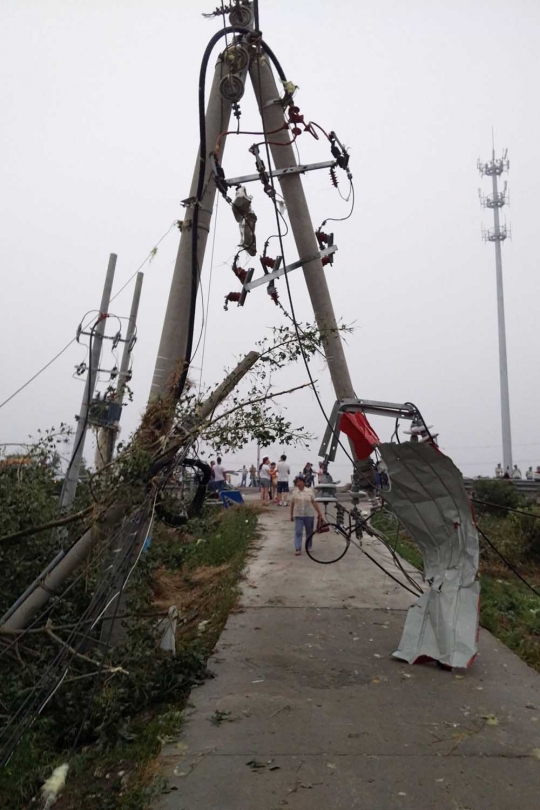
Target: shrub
497,495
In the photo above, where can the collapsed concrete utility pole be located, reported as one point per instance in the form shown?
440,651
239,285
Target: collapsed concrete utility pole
496,201
50,582
69,486
106,437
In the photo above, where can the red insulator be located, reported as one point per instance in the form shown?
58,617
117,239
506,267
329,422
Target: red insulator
267,261
326,260
294,115
234,296
333,177
240,273
322,238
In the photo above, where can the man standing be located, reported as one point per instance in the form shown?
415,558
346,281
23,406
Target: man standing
219,475
283,472
253,476
244,476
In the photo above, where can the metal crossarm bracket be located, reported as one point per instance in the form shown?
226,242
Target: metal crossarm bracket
306,167
330,440
250,285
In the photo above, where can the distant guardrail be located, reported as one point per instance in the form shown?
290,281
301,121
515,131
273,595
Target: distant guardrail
522,485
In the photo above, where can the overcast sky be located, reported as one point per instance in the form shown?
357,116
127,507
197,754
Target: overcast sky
99,136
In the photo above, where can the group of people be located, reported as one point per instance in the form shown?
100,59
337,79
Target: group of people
273,480
530,474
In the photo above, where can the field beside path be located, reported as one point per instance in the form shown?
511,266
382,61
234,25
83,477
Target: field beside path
133,712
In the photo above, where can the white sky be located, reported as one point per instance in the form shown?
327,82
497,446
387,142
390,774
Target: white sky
99,136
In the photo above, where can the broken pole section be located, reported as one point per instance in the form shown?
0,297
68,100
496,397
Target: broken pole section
51,581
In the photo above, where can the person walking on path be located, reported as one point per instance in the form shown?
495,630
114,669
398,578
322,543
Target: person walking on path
302,506
264,478
309,475
244,476
283,472
253,476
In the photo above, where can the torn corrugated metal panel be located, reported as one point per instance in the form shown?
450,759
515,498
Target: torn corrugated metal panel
428,496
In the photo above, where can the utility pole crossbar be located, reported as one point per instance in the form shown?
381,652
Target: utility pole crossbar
294,266
305,167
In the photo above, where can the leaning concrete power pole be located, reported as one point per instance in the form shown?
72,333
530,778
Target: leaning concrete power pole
174,335
106,438
496,201
69,486
292,190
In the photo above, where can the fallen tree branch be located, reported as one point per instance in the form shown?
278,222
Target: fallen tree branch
83,657
263,398
44,526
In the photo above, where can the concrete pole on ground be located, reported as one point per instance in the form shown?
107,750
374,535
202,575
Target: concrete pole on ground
51,581
107,436
69,486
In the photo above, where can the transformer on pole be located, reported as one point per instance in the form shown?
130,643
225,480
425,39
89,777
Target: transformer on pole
496,201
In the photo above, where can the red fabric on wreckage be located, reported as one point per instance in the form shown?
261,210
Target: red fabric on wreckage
360,432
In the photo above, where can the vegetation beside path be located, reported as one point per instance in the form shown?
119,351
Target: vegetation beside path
130,712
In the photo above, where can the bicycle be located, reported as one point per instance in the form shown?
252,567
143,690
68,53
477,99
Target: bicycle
336,535
333,539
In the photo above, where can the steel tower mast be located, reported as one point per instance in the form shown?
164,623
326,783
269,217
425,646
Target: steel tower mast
496,201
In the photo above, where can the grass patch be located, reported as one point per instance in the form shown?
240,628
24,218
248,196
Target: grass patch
198,569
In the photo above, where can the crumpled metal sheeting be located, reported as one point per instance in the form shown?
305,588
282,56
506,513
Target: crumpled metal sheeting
443,626
428,496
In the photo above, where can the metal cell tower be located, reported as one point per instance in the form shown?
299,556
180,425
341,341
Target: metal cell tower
495,201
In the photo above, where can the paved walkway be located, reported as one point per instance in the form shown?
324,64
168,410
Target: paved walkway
315,713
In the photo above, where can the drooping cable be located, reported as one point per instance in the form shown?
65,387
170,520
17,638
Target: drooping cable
507,562
148,258
44,368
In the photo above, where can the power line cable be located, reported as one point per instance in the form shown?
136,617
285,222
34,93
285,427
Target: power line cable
44,368
148,258
507,562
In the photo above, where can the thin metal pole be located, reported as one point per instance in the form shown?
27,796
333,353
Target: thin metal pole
503,363
107,436
69,486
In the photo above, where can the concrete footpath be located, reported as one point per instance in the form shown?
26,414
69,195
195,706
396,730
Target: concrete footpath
308,710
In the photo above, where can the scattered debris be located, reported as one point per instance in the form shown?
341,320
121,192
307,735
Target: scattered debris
219,717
